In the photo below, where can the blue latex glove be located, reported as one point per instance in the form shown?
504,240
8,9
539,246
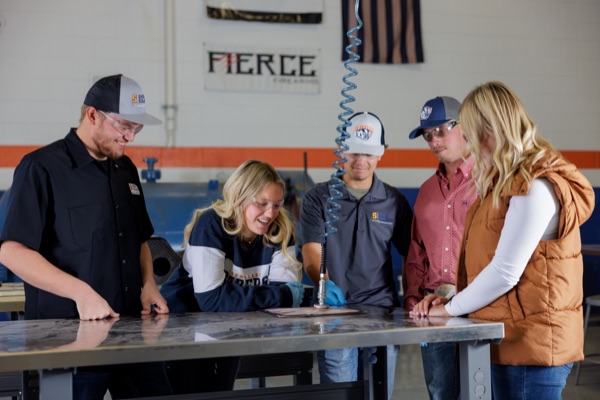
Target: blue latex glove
297,289
333,294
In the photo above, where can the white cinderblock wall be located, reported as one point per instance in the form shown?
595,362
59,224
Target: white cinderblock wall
548,51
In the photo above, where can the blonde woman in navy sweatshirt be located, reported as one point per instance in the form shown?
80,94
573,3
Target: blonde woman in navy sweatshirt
239,253
239,256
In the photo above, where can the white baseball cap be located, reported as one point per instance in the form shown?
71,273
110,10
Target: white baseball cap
366,134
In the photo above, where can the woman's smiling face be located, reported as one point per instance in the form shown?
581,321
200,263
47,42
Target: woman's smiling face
262,210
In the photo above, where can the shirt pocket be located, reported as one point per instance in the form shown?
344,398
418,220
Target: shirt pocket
88,224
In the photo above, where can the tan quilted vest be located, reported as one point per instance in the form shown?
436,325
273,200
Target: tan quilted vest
542,314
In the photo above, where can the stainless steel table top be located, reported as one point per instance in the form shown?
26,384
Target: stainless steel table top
56,343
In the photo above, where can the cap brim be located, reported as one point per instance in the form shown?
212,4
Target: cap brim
415,133
144,119
365,149
424,125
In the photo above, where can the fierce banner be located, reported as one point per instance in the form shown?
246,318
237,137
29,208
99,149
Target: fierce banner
262,69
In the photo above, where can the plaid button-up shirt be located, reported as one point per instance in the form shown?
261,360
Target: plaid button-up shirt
437,228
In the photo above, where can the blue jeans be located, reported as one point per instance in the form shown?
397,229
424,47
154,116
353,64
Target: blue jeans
529,382
342,365
440,367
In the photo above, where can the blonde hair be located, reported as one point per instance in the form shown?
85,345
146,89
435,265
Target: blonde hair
494,109
245,183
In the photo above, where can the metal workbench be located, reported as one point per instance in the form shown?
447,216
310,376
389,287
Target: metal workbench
54,347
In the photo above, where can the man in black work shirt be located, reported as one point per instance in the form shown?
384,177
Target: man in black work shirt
76,224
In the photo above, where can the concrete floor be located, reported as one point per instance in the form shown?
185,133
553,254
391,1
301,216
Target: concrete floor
409,383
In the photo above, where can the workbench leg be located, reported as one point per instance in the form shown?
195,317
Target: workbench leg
56,384
30,385
475,375
375,376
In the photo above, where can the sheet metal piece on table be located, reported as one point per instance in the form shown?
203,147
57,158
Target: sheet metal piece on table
310,312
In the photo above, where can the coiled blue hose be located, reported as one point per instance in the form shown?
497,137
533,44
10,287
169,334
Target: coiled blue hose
334,187
332,206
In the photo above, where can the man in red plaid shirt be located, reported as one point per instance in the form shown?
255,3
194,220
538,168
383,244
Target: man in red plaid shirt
437,228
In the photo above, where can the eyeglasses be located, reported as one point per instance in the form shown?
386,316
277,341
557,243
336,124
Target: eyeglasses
439,131
121,127
356,156
265,205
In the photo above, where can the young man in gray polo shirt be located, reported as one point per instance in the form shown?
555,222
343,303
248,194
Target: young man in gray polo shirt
373,215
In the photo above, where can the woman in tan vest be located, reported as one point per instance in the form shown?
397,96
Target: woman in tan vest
520,259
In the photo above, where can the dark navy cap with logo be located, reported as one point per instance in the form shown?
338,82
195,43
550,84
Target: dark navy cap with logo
436,112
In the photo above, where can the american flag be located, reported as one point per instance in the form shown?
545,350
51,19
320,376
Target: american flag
391,32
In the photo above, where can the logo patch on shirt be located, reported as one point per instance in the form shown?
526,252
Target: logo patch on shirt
134,189
381,218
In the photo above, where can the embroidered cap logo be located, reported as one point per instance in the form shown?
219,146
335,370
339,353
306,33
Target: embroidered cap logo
364,132
138,98
426,112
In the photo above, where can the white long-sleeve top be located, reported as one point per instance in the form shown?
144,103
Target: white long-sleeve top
529,220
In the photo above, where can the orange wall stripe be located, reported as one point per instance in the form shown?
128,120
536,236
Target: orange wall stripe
583,159
231,157
10,156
